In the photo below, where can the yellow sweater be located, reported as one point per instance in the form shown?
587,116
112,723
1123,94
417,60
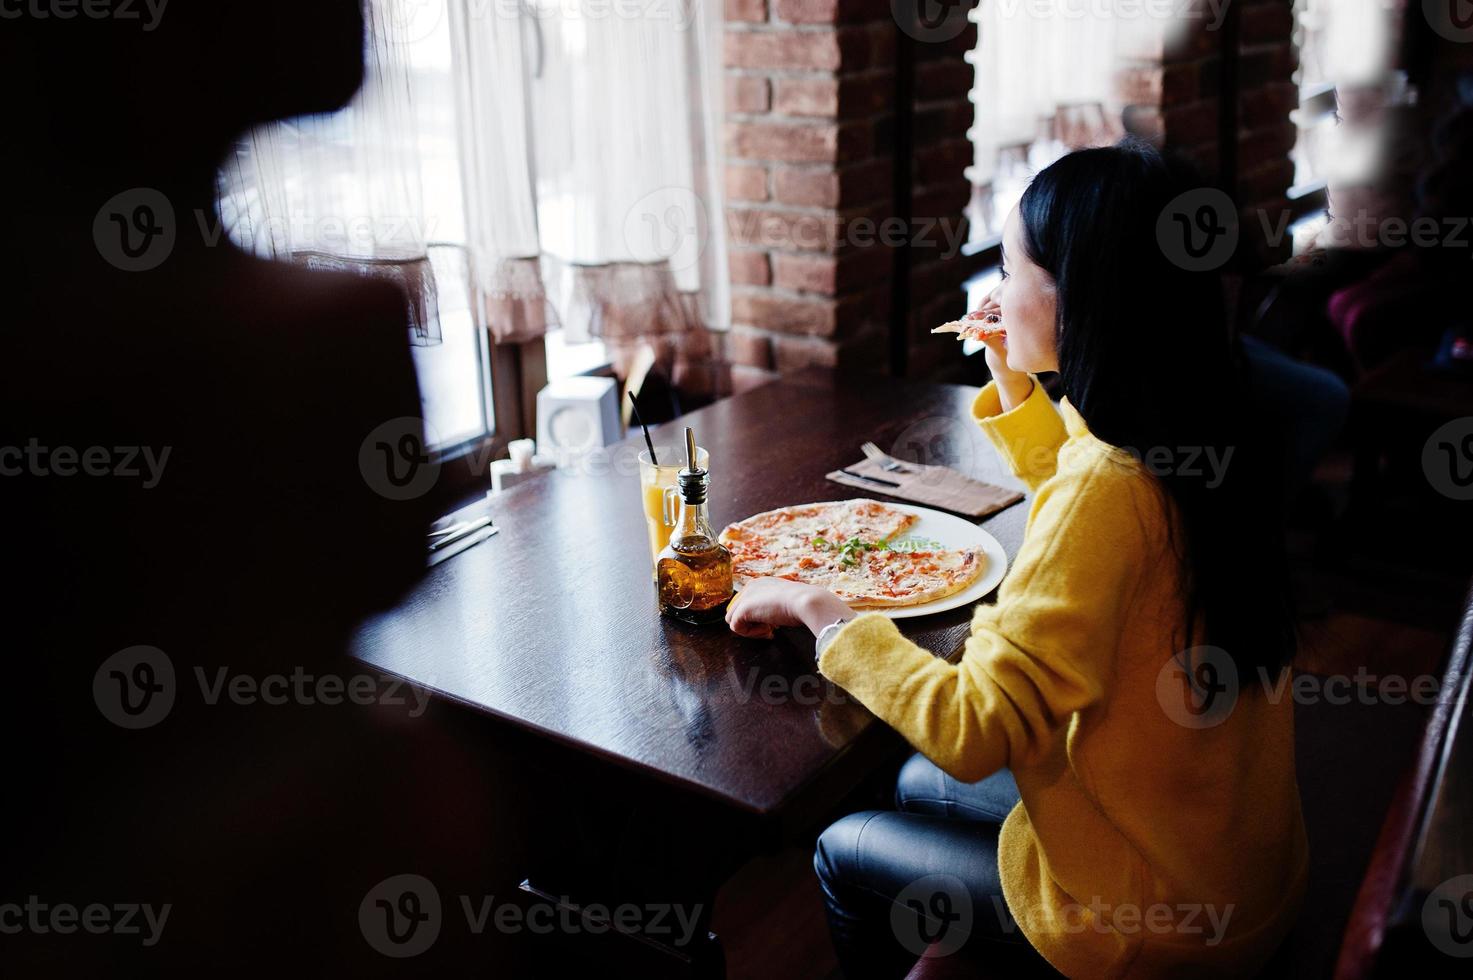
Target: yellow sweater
1143,845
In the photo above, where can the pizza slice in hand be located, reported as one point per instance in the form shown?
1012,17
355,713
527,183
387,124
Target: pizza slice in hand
977,325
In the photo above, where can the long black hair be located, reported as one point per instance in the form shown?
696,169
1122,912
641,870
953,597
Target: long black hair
1146,357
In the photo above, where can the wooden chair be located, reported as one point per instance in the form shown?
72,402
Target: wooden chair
1407,921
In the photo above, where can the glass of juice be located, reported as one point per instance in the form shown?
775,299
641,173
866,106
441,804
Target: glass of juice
660,520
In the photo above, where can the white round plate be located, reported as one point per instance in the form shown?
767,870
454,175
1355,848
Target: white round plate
952,532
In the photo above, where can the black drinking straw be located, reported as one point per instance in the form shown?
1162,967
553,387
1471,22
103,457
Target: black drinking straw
651,445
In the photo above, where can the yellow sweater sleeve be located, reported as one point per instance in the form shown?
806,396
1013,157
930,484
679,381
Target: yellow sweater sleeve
1046,649
1027,436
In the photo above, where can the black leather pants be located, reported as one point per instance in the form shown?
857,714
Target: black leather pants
922,878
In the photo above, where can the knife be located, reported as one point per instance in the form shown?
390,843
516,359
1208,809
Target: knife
447,536
871,479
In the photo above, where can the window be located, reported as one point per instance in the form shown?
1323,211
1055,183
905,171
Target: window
492,165
1044,85
565,360
978,287
1344,45
454,375
455,378
378,184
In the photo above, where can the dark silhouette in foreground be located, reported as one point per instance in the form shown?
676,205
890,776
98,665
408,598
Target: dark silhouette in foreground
180,432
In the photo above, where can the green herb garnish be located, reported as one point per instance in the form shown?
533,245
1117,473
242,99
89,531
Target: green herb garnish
850,552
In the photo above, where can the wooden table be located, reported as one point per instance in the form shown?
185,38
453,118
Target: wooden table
551,627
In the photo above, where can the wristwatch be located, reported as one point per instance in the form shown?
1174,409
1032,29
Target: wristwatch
826,636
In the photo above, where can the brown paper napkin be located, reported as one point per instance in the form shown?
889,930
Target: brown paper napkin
935,486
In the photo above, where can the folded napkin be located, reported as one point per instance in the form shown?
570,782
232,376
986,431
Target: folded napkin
935,486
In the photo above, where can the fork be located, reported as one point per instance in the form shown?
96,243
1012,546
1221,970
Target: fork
877,454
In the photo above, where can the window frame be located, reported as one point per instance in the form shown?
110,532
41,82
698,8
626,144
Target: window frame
511,376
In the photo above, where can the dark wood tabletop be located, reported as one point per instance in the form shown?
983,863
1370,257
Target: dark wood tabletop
551,625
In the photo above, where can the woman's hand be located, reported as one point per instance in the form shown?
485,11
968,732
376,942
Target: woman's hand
766,603
1013,387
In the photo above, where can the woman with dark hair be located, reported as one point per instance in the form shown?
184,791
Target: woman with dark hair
1105,777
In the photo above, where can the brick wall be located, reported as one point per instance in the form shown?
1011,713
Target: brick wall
1267,94
809,96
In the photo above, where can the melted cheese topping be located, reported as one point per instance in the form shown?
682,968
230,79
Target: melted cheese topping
807,543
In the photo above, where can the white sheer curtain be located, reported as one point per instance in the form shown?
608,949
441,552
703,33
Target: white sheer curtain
553,163
626,164
344,190
494,64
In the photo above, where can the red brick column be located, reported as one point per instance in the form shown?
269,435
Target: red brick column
1267,93
812,210
809,88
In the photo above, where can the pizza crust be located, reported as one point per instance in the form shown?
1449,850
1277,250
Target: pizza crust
939,592
840,519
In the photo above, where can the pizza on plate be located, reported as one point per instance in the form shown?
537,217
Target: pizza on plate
853,548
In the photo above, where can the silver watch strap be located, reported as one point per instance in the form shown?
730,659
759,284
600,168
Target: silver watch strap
826,636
